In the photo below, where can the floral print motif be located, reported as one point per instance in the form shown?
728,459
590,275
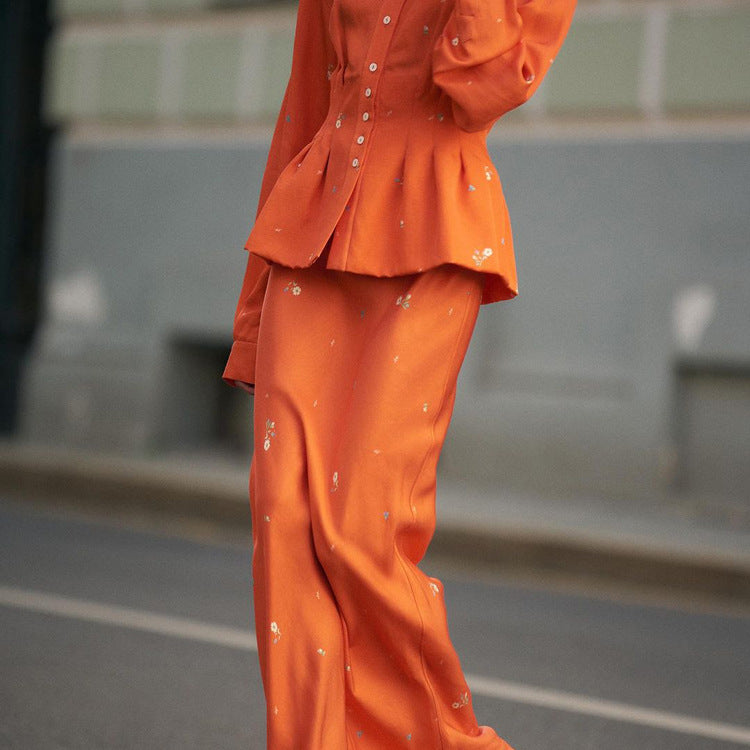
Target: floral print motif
480,257
322,651
293,287
335,479
463,700
403,300
434,588
270,432
487,173
276,632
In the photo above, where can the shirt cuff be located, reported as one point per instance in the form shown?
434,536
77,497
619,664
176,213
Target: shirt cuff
241,363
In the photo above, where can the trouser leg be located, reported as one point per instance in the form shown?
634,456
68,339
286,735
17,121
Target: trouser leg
298,625
362,371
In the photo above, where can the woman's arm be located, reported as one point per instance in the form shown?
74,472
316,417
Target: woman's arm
303,111
493,54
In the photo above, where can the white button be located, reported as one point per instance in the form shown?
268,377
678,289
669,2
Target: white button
355,162
373,67
387,20
338,123
368,91
361,139
365,116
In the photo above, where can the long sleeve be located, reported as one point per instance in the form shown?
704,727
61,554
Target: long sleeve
493,54
303,111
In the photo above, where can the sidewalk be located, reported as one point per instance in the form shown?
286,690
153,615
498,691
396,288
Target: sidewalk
644,544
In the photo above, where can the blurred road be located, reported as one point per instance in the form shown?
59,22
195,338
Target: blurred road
117,637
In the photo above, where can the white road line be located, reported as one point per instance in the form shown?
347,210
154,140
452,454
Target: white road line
124,617
582,704
181,627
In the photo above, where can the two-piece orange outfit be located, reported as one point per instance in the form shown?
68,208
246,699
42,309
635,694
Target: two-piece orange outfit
380,230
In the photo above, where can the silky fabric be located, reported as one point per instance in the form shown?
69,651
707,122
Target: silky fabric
380,143
356,381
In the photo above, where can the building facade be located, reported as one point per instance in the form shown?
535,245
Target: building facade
621,369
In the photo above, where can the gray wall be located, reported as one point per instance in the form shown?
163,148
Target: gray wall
623,367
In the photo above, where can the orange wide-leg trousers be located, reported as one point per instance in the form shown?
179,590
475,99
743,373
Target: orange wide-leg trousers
355,385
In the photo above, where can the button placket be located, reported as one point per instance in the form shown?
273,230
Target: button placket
378,46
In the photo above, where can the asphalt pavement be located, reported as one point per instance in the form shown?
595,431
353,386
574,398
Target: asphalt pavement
114,636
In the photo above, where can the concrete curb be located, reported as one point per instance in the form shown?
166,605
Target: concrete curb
218,496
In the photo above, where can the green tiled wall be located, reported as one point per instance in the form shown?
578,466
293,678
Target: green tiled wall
706,65
210,76
708,61
597,68
129,79
67,8
279,63
61,77
171,6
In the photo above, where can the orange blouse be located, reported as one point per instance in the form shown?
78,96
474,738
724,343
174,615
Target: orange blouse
380,142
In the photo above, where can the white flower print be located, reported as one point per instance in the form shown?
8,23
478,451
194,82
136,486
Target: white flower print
335,484
293,287
322,651
425,406
267,518
480,257
270,432
403,300
276,632
434,588
462,701
487,173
